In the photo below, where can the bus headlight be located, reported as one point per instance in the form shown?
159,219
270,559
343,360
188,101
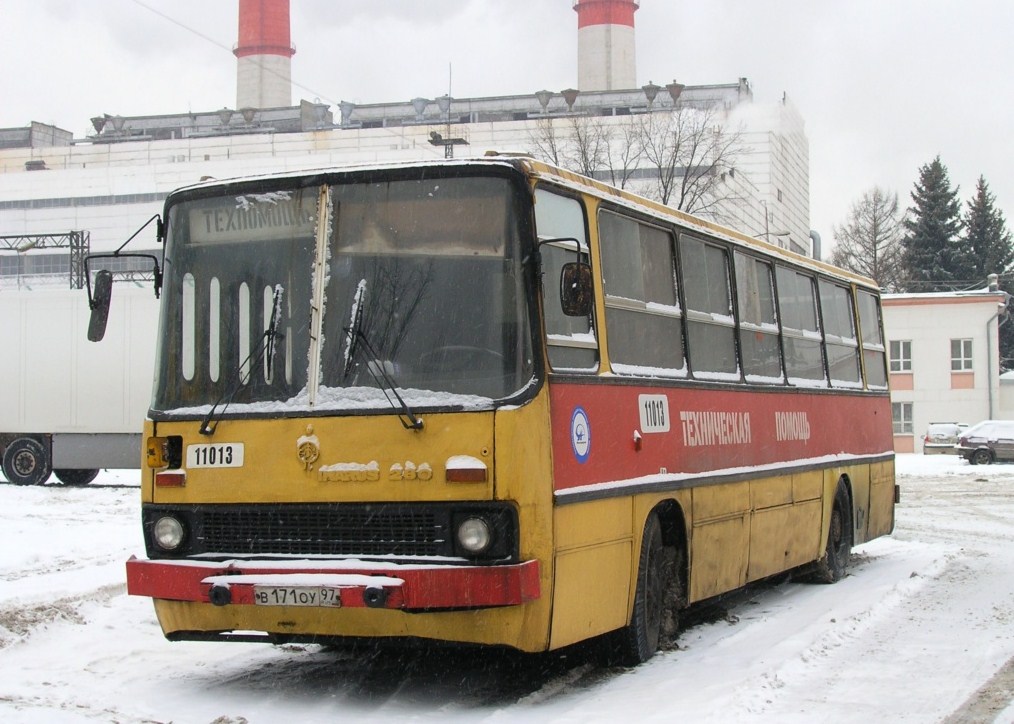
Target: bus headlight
474,535
167,533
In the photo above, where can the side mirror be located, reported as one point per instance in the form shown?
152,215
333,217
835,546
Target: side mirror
99,304
576,297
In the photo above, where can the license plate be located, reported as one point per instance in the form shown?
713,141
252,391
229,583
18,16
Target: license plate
218,455
318,596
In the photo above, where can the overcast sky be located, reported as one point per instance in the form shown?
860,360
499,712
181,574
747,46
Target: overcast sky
884,86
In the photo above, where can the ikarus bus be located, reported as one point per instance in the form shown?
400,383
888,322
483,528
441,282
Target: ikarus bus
492,402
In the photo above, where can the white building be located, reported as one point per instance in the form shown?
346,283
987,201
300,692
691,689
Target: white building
110,183
943,360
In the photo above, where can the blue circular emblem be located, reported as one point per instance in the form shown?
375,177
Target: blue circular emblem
580,435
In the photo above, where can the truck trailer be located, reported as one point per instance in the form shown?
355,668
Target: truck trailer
69,406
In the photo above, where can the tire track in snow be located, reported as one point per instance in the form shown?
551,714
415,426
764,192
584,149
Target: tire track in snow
18,620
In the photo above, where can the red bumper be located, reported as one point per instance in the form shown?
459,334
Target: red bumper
406,587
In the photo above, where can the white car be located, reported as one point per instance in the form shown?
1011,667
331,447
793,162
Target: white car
942,437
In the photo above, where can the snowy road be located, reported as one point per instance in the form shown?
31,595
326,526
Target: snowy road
921,631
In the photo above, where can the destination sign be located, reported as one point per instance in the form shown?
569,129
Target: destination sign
254,217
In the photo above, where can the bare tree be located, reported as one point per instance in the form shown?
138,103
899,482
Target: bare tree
686,151
579,143
587,150
869,242
623,152
679,156
547,140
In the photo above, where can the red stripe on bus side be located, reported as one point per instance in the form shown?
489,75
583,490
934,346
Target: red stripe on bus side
812,426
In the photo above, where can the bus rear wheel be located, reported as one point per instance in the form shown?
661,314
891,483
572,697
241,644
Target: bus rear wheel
834,565
655,599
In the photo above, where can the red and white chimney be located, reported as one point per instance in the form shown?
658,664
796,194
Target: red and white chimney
264,54
605,44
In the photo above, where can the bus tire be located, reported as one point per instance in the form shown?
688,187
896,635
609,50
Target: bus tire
639,641
75,476
26,462
834,565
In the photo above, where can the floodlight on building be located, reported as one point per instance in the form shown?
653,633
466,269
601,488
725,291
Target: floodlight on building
225,115
99,122
420,107
569,96
650,91
118,122
346,108
544,97
675,90
444,104
248,114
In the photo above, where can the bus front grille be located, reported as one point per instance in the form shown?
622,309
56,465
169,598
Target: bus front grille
367,530
352,529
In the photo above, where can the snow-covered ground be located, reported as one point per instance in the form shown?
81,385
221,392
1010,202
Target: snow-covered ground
921,631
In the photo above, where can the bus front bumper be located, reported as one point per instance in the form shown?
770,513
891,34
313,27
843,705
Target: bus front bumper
335,584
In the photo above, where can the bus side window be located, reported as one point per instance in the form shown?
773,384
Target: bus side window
711,334
874,356
840,334
571,341
797,304
643,316
762,357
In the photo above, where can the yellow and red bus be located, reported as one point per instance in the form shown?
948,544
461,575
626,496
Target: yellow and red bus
490,401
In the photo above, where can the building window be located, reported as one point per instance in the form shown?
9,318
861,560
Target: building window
901,416
961,355
901,355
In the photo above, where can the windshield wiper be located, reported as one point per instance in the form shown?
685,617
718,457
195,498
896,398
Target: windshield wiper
375,366
265,347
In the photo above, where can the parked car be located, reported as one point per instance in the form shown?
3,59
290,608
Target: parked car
988,442
942,437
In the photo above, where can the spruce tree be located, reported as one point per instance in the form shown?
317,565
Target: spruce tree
934,256
987,236
992,250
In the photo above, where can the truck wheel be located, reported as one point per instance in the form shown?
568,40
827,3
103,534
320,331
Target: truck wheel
75,476
26,462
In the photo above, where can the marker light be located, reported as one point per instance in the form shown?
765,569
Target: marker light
157,452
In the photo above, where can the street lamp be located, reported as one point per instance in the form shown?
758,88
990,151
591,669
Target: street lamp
767,232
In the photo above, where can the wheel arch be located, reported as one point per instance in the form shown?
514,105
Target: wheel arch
673,521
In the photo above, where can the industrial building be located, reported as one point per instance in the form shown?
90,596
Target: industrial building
107,184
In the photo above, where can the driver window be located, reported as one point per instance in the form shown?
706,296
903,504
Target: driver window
570,340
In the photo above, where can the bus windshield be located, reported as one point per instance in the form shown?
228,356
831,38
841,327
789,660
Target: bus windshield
330,298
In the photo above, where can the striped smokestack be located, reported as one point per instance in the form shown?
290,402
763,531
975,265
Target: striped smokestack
264,54
605,44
